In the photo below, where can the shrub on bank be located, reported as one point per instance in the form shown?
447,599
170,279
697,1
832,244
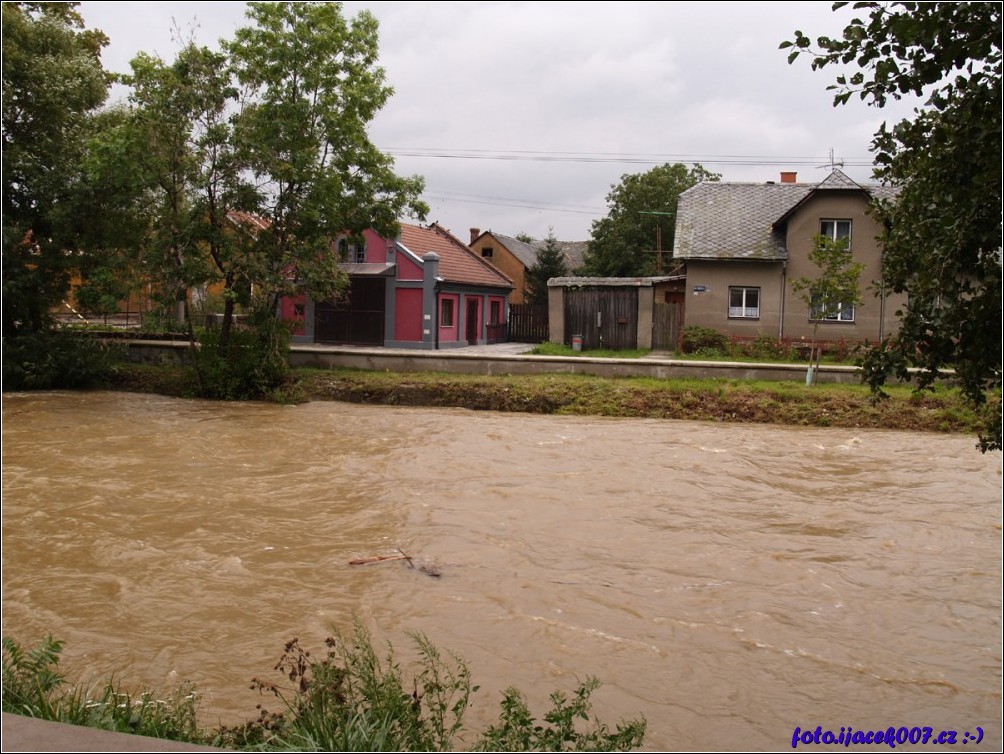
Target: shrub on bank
253,364
705,341
54,360
710,343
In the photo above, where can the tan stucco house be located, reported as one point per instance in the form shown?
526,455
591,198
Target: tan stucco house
513,257
744,244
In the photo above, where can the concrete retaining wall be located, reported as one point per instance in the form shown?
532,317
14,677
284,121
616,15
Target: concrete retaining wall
484,362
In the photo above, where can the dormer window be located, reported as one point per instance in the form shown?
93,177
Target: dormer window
835,230
351,252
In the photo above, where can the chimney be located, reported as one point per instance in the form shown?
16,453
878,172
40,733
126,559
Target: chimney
475,232
787,177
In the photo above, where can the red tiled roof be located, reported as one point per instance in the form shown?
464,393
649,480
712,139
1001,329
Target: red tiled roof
239,217
457,263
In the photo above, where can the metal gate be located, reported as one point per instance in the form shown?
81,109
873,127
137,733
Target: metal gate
357,319
604,317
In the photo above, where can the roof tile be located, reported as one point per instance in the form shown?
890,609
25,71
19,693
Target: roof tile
457,263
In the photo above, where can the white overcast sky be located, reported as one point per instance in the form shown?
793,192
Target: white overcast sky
589,90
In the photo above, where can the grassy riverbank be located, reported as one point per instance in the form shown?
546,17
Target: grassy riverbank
789,403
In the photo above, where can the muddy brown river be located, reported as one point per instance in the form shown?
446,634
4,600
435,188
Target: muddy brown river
729,582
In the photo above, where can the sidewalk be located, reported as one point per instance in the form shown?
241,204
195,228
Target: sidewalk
495,349
28,734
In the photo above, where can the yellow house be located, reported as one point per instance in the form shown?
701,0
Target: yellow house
513,257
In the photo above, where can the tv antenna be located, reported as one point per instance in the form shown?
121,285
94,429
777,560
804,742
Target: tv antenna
833,164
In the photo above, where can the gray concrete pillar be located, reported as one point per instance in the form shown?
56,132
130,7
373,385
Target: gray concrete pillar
430,285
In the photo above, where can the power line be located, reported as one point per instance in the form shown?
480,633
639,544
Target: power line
519,204
537,203
610,157
541,156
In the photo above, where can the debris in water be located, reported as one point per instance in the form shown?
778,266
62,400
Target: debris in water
427,569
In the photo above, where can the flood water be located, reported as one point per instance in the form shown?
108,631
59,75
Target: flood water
729,582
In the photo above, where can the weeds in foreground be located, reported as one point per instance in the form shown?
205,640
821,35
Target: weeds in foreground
351,700
517,730
31,680
33,686
347,700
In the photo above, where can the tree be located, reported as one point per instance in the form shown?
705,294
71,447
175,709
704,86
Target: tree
943,241
193,176
550,264
251,162
836,289
53,82
106,215
310,88
642,208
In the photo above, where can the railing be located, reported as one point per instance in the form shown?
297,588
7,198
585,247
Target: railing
841,347
118,319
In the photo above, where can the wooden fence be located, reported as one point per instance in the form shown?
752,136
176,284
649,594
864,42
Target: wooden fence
528,323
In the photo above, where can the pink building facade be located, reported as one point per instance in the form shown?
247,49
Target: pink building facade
424,289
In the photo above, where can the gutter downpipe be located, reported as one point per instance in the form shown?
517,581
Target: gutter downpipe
435,314
881,310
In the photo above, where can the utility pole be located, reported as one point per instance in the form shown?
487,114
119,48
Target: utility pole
658,239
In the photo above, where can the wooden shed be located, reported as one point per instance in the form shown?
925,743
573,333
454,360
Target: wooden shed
617,313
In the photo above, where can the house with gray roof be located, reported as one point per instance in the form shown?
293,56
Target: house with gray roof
744,244
514,257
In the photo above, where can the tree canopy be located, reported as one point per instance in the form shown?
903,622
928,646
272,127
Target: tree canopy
943,242
53,83
236,168
310,87
641,207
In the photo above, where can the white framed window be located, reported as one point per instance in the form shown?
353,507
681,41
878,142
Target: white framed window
446,312
842,313
351,252
744,303
836,230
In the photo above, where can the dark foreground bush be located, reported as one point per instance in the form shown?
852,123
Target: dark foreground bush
349,699
54,360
